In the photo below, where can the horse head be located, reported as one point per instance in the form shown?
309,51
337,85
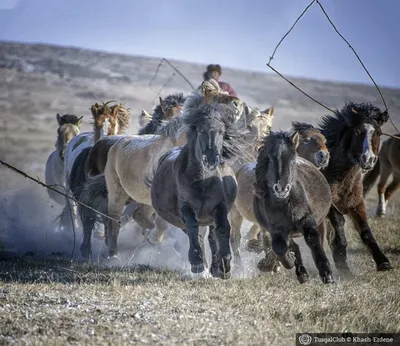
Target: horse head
275,164
312,144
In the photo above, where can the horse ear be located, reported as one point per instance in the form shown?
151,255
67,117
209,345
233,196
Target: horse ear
382,118
79,121
270,111
247,109
162,104
59,119
145,118
295,139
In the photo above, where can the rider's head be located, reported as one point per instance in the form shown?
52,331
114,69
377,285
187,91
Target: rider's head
213,71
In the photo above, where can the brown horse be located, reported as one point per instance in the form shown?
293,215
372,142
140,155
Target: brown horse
129,161
312,147
353,138
388,164
291,198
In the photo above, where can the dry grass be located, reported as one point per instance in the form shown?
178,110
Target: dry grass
55,302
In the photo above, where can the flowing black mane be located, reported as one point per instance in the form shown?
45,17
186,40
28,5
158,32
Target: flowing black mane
158,115
303,128
349,116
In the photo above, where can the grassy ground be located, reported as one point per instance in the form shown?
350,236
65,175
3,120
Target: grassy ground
56,302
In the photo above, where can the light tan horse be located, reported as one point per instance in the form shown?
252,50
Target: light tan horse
130,161
312,146
388,164
68,128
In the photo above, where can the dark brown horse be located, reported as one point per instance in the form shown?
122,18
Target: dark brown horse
291,197
388,164
353,138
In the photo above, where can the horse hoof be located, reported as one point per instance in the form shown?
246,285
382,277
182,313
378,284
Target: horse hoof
152,239
197,268
224,275
303,278
267,264
288,260
254,245
114,259
384,267
328,279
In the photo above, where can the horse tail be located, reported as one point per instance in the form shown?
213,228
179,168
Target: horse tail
370,178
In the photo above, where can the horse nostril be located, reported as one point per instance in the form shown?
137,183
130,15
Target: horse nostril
287,188
374,160
205,160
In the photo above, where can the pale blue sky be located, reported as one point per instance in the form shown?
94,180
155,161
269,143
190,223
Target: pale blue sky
235,33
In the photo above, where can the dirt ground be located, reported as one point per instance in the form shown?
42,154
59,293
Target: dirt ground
48,299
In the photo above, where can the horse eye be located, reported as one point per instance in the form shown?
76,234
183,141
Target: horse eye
306,140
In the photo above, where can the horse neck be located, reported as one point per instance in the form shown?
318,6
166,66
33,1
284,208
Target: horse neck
60,147
194,168
340,166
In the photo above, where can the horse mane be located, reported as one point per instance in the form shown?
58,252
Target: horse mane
158,115
69,119
122,115
349,116
233,144
304,128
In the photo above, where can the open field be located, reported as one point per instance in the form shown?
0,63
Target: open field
47,299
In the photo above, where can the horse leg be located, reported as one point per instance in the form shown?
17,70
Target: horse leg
359,218
236,222
313,240
385,173
222,232
270,262
142,215
214,251
393,186
188,215
338,244
280,246
88,219
117,199
254,239
301,271
202,233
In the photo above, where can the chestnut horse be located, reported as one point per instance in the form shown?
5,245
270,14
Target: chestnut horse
388,164
353,138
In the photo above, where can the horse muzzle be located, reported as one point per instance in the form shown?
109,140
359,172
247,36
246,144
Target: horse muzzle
209,165
280,192
367,162
321,158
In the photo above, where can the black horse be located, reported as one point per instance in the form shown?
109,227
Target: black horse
193,185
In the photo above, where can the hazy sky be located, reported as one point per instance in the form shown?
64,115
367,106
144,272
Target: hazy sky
235,33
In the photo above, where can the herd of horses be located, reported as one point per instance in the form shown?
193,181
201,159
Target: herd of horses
210,160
